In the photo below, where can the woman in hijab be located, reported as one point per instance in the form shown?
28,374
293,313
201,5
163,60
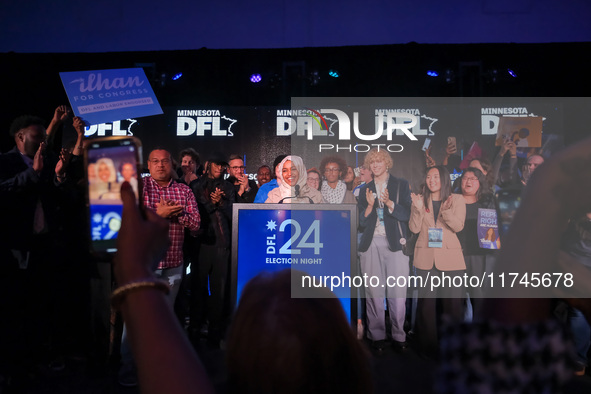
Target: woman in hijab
291,176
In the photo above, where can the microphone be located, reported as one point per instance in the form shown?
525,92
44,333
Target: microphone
297,194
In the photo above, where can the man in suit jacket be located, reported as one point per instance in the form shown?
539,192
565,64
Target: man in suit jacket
31,224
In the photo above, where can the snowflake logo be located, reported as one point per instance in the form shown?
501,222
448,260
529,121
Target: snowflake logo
271,225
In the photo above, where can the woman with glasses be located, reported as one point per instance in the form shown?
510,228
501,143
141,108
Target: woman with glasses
437,216
314,179
333,189
479,260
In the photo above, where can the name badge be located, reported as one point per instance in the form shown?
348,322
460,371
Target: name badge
435,237
380,212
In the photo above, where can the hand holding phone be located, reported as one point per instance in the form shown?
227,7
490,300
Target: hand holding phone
451,146
142,241
109,162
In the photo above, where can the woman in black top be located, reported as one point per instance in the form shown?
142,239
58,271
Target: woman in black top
474,189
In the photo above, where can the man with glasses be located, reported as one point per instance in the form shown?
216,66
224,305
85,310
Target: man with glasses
246,189
175,202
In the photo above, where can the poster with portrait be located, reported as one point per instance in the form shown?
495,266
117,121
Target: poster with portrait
524,131
488,229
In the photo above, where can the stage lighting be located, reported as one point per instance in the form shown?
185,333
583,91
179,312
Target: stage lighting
450,76
177,76
512,73
432,73
255,78
334,73
314,78
494,75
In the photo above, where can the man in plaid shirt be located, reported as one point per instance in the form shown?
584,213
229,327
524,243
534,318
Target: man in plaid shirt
176,202
173,201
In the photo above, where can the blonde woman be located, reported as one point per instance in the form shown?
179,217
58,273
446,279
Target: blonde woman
384,210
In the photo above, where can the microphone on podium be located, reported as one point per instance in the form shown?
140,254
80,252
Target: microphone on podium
297,195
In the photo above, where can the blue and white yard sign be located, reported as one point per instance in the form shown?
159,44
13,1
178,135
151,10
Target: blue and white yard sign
103,96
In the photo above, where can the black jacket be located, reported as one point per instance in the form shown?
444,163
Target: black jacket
216,219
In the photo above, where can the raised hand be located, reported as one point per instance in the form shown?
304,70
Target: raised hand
417,200
447,203
38,159
60,113
370,197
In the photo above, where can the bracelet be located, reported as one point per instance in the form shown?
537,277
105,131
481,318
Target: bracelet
121,292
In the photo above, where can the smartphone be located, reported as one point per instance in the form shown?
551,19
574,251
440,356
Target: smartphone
109,162
507,202
451,145
427,144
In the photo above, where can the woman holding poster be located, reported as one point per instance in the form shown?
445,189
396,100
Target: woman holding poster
480,233
437,216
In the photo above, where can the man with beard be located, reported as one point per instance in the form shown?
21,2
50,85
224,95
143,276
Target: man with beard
246,190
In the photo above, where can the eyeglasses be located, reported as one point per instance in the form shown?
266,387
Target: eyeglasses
332,169
163,161
237,168
466,179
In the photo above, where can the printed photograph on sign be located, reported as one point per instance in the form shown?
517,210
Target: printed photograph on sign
525,132
488,229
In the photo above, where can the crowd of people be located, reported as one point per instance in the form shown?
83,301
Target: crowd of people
58,286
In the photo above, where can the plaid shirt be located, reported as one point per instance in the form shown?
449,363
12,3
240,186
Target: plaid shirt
189,218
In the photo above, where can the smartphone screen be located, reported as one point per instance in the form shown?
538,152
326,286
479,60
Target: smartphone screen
109,162
426,144
508,200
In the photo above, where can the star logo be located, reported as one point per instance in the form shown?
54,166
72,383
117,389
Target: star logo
271,225
97,218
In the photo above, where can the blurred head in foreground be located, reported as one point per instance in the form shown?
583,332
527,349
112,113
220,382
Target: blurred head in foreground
293,345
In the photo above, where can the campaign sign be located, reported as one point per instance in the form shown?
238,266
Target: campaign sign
488,229
103,96
316,240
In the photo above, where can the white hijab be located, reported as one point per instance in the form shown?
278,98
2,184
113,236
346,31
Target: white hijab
284,188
